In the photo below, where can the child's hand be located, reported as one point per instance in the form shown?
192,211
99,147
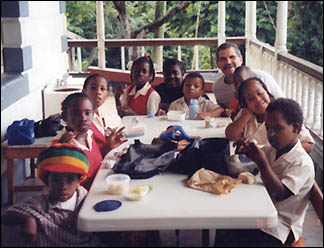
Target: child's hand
227,112
29,229
67,137
251,150
202,115
119,92
123,111
161,112
115,139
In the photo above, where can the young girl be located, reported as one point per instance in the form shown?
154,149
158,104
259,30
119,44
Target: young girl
140,98
193,88
254,98
77,112
96,88
287,172
49,220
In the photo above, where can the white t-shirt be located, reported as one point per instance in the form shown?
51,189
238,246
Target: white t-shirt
204,104
295,169
224,92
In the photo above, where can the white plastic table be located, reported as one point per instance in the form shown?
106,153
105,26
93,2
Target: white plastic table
172,204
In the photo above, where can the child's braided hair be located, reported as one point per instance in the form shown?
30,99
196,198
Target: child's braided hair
68,101
146,59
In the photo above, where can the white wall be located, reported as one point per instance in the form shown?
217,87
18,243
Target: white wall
42,30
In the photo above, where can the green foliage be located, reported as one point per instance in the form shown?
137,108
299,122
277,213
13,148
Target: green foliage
265,30
305,18
305,31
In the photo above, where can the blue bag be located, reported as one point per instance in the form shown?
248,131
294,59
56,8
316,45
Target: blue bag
21,132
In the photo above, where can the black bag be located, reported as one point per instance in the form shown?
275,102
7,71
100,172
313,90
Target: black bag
208,153
146,160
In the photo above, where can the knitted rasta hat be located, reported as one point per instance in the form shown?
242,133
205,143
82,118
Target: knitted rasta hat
62,157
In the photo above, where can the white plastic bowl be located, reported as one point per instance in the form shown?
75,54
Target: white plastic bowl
176,115
117,184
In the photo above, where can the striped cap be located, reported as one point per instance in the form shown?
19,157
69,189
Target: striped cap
62,157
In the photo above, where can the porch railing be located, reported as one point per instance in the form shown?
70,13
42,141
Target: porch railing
298,78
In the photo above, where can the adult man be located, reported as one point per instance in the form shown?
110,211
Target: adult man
229,57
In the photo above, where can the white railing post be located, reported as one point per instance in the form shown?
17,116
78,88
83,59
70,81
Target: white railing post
317,106
279,74
281,32
79,57
288,82
73,58
293,85
101,35
310,103
196,57
221,22
179,53
299,79
304,96
284,79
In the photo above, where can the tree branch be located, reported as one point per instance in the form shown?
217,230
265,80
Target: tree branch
154,25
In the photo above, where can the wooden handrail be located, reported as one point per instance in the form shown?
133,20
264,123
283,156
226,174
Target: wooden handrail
154,42
309,68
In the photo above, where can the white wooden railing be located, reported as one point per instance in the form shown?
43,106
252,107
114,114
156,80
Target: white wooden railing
298,78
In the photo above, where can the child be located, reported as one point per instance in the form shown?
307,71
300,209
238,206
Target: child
50,220
193,88
96,88
287,172
241,73
254,98
140,98
170,89
77,112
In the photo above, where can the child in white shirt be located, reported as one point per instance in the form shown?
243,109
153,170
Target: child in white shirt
193,88
287,172
254,99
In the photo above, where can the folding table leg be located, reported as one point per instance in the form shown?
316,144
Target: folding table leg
177,231
205,237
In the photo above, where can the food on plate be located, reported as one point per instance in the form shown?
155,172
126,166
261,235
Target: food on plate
138,193
247,177
234,158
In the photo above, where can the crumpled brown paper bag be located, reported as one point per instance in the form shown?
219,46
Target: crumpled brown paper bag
209,181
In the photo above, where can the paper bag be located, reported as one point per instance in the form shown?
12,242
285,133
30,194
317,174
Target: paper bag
209,181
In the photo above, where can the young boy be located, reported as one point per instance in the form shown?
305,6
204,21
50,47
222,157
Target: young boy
193,88
170,89
50,220
287,172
